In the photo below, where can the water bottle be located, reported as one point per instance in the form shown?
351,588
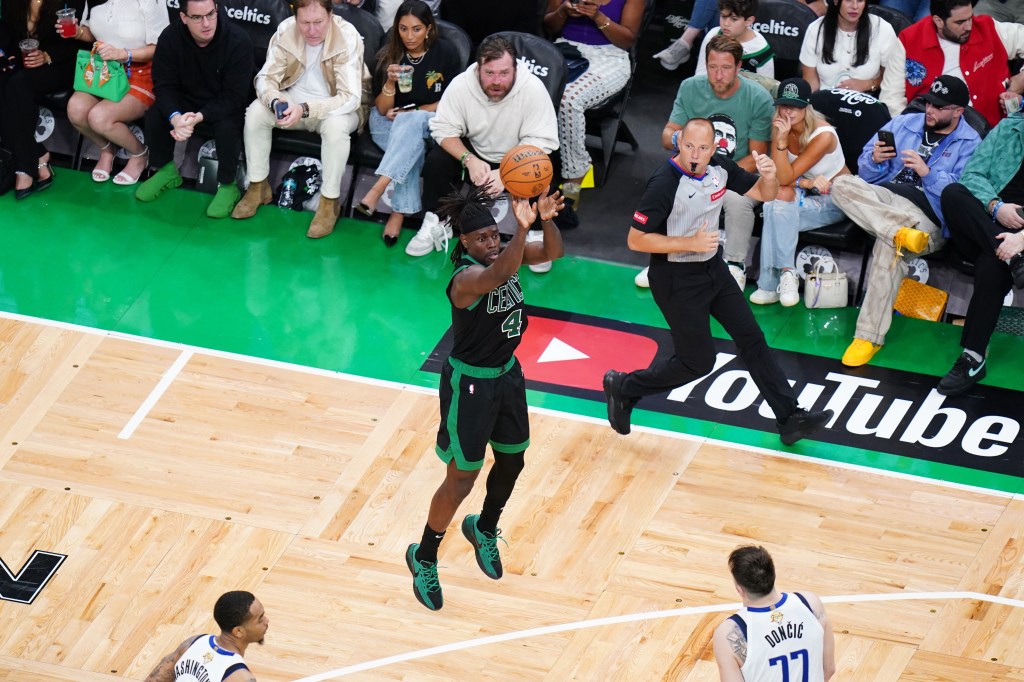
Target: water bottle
287,197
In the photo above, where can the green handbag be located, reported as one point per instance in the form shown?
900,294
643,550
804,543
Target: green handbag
100,78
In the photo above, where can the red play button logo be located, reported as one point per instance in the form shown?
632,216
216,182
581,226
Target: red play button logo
577,355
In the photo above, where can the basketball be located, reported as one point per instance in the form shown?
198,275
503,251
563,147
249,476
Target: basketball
525,171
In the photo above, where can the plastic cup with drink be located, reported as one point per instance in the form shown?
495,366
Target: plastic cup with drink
405,78
28,46
67,22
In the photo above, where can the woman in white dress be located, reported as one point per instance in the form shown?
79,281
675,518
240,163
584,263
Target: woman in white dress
125,31
846,48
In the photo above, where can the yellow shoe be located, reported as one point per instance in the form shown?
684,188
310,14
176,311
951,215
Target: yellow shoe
910,239
860,351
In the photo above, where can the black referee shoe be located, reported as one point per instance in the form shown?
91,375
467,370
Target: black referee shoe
619,408
801,424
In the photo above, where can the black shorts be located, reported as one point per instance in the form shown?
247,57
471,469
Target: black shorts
481,405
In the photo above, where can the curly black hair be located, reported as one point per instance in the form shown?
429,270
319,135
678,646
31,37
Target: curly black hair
466,209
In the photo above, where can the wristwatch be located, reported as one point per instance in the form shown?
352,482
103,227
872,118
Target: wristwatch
305,110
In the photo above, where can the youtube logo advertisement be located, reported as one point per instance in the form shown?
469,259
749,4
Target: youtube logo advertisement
876,409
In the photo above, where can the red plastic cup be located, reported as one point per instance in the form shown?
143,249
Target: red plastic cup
67,22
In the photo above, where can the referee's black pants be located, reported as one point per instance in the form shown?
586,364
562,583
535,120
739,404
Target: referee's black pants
974,234
689,295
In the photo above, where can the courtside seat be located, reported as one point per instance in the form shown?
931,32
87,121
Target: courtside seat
783,23
543,59
897,19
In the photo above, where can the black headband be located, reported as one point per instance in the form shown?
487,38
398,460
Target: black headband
475,217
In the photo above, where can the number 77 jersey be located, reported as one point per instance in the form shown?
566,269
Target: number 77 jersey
785,642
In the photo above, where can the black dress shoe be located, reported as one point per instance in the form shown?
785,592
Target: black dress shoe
619,409
1017,270
802,424
389,241
20,194
365,210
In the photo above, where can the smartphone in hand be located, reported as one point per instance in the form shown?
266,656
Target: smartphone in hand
887,138
1020,211
280,108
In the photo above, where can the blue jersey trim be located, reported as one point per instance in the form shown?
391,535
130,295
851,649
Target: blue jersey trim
223,652
740,623
804,600
766,609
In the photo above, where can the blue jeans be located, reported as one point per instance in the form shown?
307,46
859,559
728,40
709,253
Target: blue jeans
783,222
404,142
914,9
704,15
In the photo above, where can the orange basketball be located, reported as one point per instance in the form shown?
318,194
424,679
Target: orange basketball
525,171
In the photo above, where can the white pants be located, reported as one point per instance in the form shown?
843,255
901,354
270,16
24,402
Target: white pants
606,75
334,131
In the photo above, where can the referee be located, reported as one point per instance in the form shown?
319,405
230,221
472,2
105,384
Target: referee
482,389
690,281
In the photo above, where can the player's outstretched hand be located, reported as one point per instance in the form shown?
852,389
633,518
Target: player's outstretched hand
526,213
548,205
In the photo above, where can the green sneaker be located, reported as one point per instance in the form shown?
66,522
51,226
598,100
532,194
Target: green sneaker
424,579
164,179
486,546
224,201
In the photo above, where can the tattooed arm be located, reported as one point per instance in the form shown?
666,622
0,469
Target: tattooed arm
828,646
730,651
164,670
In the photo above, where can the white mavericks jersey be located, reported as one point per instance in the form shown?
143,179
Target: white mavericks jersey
784,642
204,661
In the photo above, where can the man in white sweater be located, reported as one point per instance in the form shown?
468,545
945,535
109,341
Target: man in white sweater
488,109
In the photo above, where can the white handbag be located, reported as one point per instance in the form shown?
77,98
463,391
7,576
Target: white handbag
826,287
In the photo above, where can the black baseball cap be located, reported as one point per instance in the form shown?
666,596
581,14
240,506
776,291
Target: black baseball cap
946,90
794,92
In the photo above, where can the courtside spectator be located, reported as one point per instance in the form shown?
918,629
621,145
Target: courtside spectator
312,80
846,48
735,18
386,10
1001,10
953,41
989,231
200,75
896,200
602,32
487,110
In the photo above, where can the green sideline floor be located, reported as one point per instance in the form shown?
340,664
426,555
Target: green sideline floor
91,255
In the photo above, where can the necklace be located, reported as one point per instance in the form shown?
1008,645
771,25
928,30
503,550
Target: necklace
415,60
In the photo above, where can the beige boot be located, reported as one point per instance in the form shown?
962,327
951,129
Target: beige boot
257,195
323,222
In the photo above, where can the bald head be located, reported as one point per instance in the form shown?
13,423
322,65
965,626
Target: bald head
696,145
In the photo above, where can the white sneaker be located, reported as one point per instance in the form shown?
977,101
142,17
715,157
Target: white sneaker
674,55
764,297
537,236
432,236
641,279
740,275
789,289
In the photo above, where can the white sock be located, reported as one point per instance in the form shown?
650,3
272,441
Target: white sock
977,357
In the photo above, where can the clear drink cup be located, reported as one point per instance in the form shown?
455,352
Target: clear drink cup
405,79
67,22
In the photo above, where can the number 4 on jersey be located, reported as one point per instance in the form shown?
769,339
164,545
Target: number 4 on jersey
513,324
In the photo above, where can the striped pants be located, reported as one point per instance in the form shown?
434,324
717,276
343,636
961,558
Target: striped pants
606,75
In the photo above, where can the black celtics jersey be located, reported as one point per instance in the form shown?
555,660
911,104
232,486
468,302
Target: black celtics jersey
488,332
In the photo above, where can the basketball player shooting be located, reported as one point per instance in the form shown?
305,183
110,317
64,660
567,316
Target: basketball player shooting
482,389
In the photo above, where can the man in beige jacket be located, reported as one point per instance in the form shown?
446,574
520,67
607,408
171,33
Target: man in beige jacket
292,93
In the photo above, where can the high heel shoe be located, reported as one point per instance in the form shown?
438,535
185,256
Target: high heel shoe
389,241
99,175
40,185
123,179
23,193
365,210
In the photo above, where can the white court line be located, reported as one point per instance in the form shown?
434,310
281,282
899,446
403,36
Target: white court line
630,618
165,382
316,371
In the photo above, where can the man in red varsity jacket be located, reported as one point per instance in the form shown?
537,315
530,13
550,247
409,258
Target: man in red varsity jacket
953,40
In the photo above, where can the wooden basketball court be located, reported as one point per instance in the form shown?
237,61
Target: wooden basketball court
305,487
